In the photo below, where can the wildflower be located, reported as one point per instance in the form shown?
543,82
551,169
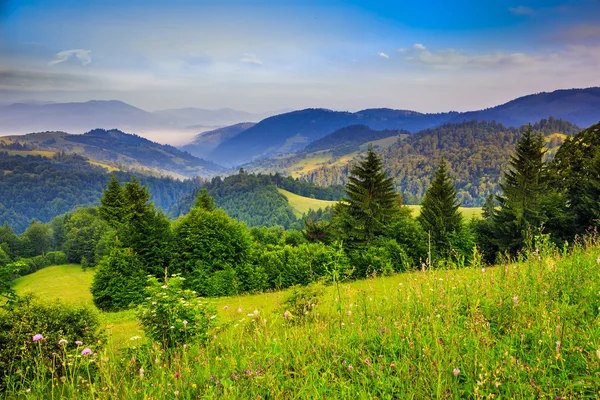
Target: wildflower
226,307
61,342
86,351
456,371
287,314
350,367
176,375
135,338
141,372
38,337
185,323
28,391
515,299
367,361
176,393
172,327
381,356
256,313
558,346
240,309
598,353
482,269
392,365
213,316
78,342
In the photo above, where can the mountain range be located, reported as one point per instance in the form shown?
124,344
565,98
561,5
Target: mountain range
171,126
114,150
291,132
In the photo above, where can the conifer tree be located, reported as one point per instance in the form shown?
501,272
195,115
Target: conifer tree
370,204
137,201
204,200
521,211
439,215
112,203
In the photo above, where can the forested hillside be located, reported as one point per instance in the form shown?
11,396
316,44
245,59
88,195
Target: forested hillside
255,200
37,187
476,152
348,140
120,150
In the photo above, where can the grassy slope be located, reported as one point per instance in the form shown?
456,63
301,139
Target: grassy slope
71,284
302,204
403,336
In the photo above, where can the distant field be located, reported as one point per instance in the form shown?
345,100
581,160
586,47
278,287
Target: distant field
301,204
107,167
43,153
71,284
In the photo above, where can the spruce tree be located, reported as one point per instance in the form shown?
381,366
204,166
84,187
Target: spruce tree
204,201
137,201
521,211
370,203
112,203
439,215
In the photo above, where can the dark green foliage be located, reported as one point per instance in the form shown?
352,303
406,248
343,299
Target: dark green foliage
293,238
525,184
9,241
55,321
204,201
119,280
302,301
439,216
211,251
348,139
112,203
36,240
174,316
409,234
575,172
477,152
267,235
41,188
370,204
84,229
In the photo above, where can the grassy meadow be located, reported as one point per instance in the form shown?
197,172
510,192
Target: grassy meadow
519,330
302,204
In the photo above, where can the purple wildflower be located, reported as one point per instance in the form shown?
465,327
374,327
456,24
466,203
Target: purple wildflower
37,337
456,371
86,351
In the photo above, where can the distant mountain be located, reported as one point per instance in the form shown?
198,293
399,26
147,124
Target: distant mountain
290,132
348,139
206,142
120,150
477,152
33,116
579,106
76,117
189,117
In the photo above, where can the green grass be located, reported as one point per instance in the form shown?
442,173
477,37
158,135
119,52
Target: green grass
302,205
71,284
526,330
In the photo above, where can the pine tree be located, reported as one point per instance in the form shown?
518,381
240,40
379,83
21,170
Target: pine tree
370,204
204,201
521,211
439,215
112,203
137,201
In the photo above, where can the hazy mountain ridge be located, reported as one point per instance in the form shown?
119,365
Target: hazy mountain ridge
120,150
291,132
205,142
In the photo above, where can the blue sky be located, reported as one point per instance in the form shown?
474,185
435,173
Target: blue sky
267,55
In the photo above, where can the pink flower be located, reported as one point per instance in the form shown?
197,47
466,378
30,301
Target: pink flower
367,361
350,367
381,356
86,351
78,343
37,337
456,371
61,342
516,299
392,365
176,375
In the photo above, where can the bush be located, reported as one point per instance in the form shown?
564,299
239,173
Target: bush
54,321
56,258
302,300
174,316
119,281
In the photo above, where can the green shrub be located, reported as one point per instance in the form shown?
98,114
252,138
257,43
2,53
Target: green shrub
56,258
173,316
55,321
119,281
302,301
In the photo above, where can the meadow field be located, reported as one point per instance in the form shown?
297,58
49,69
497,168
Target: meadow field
529,329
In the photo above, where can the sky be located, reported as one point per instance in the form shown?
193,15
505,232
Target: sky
261,55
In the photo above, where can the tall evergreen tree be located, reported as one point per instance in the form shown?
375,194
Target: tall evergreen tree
521,211
204,200
137,201
370,204
112,203
439,215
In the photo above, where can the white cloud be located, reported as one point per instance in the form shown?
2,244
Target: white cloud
85,56
250,58
419,46
402,50
522,10
383,55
